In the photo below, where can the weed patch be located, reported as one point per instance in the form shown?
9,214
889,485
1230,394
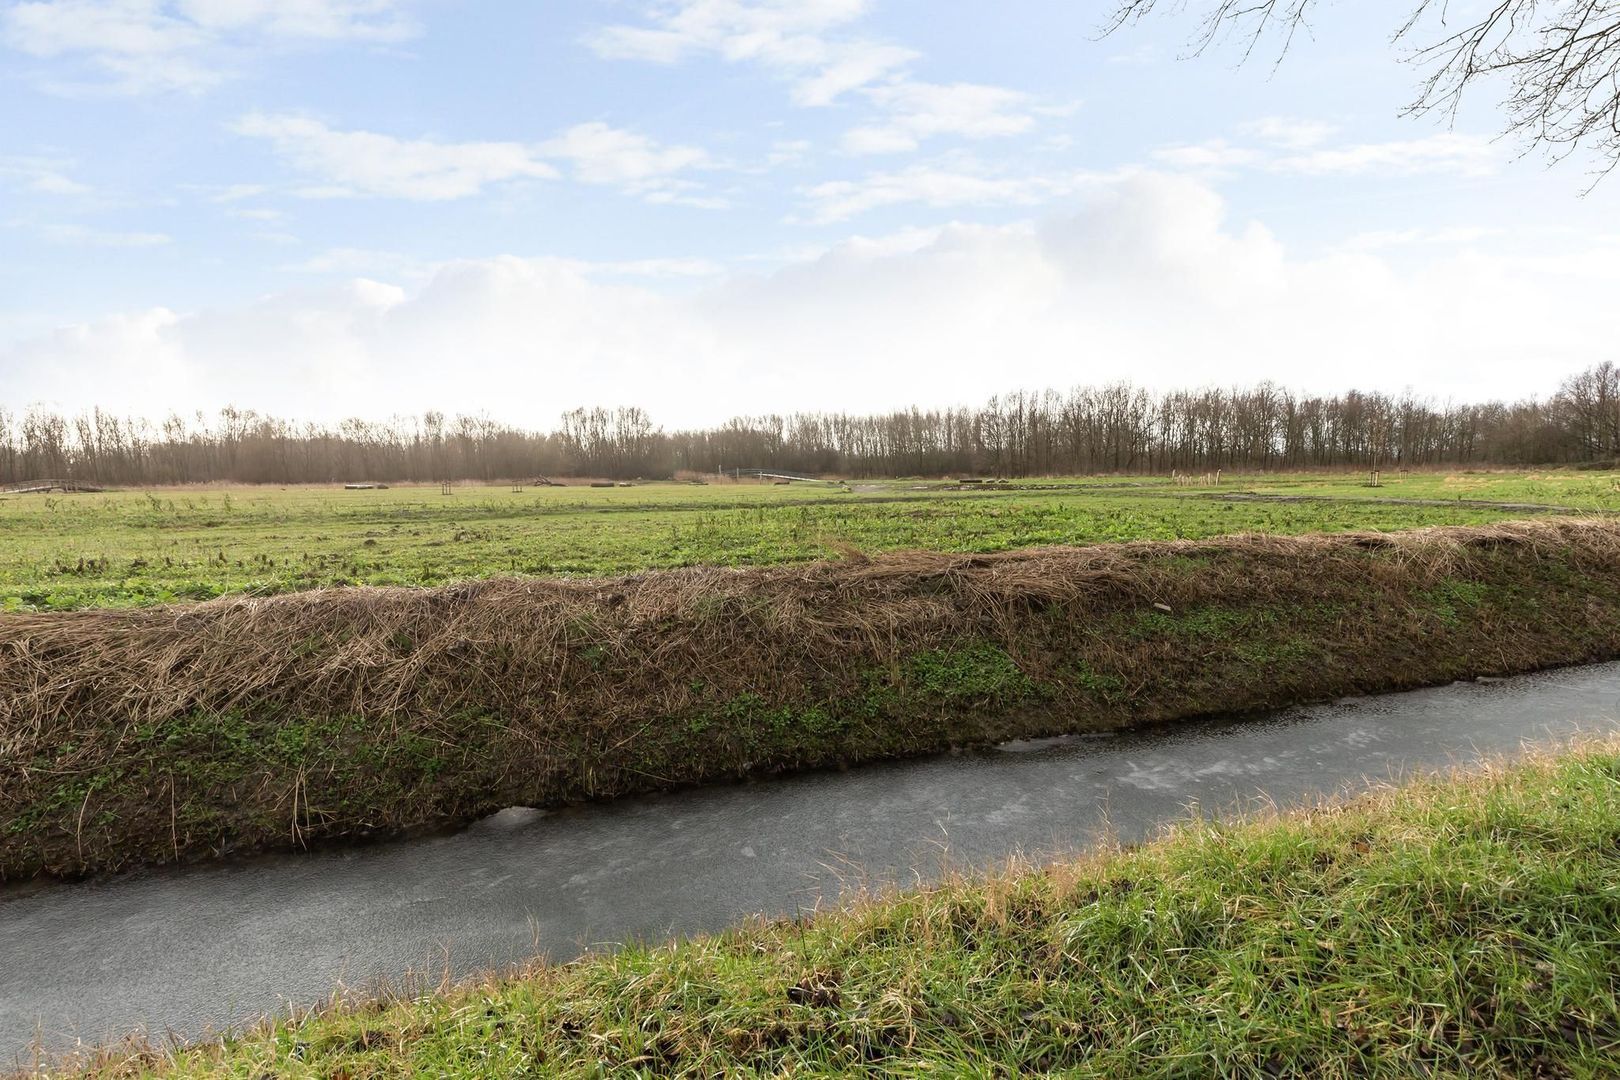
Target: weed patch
982,674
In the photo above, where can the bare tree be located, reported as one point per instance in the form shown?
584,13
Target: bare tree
1591,405
1561,58
1112,428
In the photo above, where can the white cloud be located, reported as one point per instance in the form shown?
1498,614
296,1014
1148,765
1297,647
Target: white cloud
70,233
1289,131
110,30
1142,277
368,163
1385,239
878,139
787,152
362,262
237,192
1467,155
40,176
1141,56
125,350
634,163
907,241
849,67
138,46
350,163
1212,154
685,193
838,200
1296,149
374,263
320,20
673,268
794,38
957,182
920,110
804,42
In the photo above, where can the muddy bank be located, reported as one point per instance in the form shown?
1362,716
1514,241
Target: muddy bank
188,732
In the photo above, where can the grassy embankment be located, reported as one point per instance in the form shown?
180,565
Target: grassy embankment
166,734
1464,927
133,548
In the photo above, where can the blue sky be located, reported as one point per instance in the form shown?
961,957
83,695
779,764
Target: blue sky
711,207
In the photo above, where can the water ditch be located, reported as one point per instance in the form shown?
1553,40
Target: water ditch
192,952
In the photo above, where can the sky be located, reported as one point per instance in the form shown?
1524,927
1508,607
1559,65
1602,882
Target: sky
712,208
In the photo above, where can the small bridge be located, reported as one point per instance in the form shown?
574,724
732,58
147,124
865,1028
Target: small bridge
40,487
775,474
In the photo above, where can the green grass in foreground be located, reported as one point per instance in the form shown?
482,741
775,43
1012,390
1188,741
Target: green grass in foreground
1461,927
131,548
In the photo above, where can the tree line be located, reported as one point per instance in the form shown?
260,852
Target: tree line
1089,429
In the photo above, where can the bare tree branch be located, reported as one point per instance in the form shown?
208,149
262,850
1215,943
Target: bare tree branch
1249,20
1560,59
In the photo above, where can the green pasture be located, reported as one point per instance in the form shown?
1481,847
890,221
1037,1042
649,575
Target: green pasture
135,547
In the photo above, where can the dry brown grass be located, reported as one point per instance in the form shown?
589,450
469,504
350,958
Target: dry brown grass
514,644
584,675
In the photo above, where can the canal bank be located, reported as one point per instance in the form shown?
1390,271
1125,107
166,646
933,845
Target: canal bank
197,951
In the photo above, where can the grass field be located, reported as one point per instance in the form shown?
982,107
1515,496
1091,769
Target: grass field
1464,928
1456,927
132,548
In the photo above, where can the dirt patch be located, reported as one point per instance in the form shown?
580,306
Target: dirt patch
185,732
